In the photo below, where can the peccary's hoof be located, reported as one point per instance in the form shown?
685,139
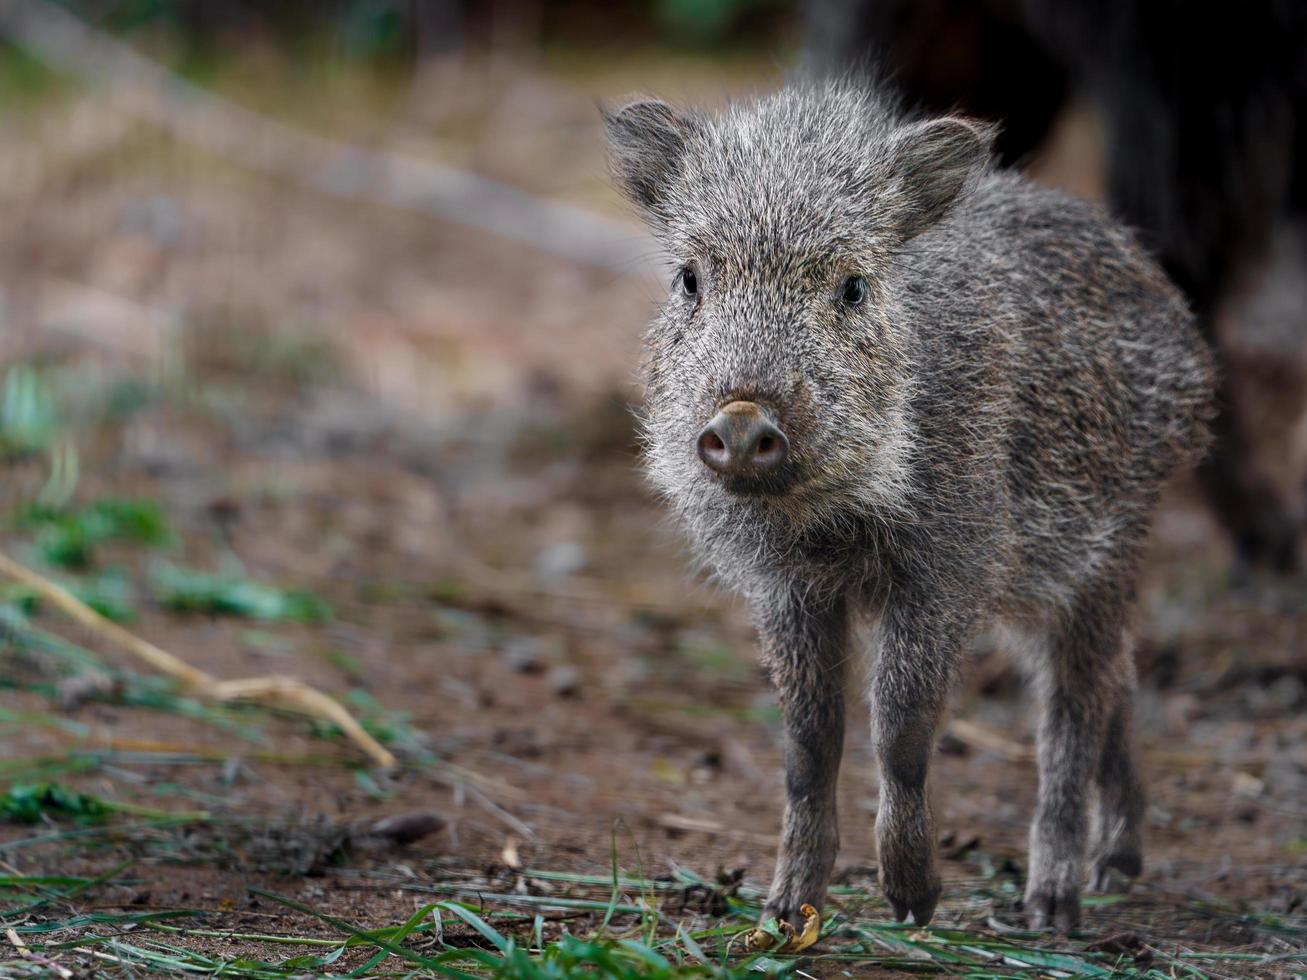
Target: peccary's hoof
1125,862
1053,907
784,912
923,909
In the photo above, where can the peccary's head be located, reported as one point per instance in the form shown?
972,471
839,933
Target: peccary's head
778,374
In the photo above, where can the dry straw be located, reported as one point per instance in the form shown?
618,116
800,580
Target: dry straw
282,692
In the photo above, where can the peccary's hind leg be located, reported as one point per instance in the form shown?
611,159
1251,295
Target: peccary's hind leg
1079,685
805,646
1116,844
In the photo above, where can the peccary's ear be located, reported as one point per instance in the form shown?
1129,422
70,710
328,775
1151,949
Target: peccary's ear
933,160
647,141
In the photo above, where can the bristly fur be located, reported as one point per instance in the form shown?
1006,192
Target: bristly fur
982,439
1203,113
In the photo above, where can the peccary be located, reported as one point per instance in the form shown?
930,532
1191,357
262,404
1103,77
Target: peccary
892,383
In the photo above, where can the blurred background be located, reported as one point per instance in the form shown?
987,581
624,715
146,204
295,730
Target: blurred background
319,335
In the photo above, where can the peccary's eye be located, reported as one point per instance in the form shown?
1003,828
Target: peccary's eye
689,280
854,292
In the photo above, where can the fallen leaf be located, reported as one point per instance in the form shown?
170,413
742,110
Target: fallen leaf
811,930
761,940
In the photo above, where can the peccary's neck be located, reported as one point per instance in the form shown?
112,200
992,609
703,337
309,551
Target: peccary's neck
744,541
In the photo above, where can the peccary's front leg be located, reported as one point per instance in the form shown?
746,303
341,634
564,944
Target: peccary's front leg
910,687
805,647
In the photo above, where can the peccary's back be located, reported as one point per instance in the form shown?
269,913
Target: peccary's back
1068,349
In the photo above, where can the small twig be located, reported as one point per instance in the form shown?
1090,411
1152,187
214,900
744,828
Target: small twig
36,958
979,737
679,823
284,692
495,810
459,778
57,595
100,955
295,695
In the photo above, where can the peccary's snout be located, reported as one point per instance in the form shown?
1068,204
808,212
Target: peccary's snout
741,441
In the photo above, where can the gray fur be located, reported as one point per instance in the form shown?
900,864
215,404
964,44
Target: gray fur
982,440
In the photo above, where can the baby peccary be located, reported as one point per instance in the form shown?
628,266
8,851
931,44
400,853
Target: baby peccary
893,382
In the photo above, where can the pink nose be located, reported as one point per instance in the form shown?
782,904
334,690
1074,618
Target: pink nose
740,440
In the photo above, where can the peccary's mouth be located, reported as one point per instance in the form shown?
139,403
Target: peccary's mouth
768,485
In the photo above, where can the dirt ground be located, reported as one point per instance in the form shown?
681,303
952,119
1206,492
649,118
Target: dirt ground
429,427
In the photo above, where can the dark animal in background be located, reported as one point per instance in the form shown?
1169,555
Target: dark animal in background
1204,108
893,384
